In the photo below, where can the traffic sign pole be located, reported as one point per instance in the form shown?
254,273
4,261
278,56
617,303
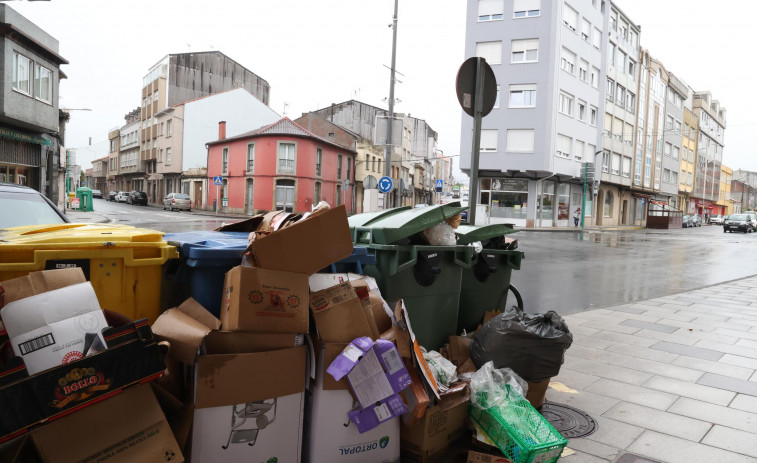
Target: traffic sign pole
478,105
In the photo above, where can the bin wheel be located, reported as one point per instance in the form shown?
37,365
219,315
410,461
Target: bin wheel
517,295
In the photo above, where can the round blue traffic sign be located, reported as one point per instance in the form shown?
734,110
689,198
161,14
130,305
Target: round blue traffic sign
385,184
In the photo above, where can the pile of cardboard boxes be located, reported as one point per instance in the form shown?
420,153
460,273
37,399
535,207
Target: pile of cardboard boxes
300,366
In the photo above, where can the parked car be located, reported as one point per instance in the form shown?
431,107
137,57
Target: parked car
137,197
691,221
739,222
716,219
22,205
177,201
97,194
112,196
122,196
753,216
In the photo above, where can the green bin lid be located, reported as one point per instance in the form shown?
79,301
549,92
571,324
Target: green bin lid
467,234
361,220
394,227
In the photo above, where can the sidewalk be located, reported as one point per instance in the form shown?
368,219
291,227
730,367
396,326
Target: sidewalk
670,379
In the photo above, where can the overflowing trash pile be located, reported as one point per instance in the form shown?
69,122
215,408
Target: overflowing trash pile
384,337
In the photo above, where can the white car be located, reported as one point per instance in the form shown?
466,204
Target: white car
122,197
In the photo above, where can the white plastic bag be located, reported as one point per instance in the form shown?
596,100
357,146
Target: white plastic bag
440,235
444,371
489,386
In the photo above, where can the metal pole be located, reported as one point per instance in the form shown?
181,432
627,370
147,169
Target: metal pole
583,203
478,103
217,198
388,147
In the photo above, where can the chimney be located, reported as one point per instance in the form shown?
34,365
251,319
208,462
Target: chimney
222,130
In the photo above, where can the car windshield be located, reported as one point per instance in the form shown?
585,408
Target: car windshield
737,217
26,209
181,196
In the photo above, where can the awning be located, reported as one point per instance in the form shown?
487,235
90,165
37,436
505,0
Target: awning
13,135
641,195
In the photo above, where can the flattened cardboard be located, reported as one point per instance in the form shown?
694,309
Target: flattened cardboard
228,379
308,245
363,293
415,396
433,434
339,315
266,301
39,282
185,327
459,350
126,428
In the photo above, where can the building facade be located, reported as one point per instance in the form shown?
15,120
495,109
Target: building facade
548,61
710,144
30,146
281,166
688,158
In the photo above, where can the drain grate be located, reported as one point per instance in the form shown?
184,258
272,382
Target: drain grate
631,458
569,421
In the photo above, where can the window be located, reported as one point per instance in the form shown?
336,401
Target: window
594,77
250,158
373,167
669,123
585,29
338,195
688,178
339,167
566,104
668,149
608,125
169,127
676,152
349,168
317,193
488,140
673,177
581,110
631,68
686,130
621,60
286,158
570,17
605,161
623,29
628,134
225,162
610,89
168,156
677,127
491,51
319,160
596,38
490,10
626,167
526,8
580,147
632,38
614,21
583,67
21,71
525,51
691,155
43,83
666,175
611,54
520,141
593,116
620,96
617,129
615,168
630,102
564,145
522,96
567,61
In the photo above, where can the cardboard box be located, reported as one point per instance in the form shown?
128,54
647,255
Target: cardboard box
433,434
330,435
52,317
247,388
134,356
128,427
478,457
306,246
339,315
266,301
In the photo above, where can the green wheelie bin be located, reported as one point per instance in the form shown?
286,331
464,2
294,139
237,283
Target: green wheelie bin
426,277
486,282
366,218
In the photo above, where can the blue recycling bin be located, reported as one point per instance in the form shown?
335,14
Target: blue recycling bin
204,259
355,263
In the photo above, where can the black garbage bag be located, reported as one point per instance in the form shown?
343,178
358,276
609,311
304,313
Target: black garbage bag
532,345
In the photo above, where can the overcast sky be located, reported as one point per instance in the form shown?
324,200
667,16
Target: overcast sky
314,53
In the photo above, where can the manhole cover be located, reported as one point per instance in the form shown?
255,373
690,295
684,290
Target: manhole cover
631,458
568,421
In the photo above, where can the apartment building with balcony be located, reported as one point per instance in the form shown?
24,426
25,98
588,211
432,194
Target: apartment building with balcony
547,57
131,168
677,92
114,155
709,154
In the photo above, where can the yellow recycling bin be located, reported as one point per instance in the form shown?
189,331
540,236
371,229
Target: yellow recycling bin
122,262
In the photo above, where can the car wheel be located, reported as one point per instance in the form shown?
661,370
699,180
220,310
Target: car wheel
725,231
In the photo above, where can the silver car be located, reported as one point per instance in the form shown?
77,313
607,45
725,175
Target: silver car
122,196
177,201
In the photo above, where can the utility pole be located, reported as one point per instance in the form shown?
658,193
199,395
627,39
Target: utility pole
388,147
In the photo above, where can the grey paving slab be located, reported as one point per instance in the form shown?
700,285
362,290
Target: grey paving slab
582,330
690,390
690,351
752,344
732,440
574,379
596,450
650,326
716,414
591,341
684,338
673,302
728,383
707,317
614,327
591,316
713,367
643,352
689,325
614,433
738,334
664,369
633,394
727,348
744,402
664,314
739,361
601,355
606,370
625,338
583,457
671,449
589,402
700,335
628,309
660,421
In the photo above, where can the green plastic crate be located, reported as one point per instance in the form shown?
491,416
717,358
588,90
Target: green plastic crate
519,431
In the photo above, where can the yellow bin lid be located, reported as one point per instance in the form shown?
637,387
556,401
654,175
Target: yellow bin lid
78,235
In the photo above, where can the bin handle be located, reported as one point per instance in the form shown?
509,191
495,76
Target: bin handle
410,263
466,262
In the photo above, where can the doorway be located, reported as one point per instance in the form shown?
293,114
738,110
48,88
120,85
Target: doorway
624,212
285,195
249,205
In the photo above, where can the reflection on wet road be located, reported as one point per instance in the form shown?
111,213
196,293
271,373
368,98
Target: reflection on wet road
573,271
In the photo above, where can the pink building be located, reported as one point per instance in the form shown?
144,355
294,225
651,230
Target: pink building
281,166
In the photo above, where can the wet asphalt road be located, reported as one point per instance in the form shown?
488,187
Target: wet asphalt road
573,271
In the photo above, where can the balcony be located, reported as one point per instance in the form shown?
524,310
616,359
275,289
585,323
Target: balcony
286,166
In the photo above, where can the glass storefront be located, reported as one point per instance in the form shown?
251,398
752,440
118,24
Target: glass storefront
508,198
546,191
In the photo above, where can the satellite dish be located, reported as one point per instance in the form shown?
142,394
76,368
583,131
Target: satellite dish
370,182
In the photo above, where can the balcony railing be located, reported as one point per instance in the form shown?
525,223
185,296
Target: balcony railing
286,166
